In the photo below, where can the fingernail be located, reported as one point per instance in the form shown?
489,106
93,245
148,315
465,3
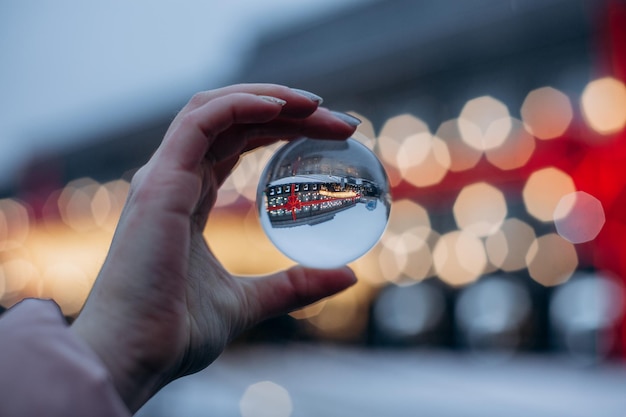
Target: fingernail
309,95
274,100
347,118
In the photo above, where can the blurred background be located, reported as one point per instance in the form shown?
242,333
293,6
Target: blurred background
498,287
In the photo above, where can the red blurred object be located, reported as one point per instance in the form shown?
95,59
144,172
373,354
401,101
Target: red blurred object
602,172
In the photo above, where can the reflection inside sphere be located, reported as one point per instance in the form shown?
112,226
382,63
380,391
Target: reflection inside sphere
324,203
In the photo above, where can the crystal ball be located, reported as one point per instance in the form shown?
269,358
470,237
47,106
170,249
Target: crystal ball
324,203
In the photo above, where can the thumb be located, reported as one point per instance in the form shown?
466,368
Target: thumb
292,289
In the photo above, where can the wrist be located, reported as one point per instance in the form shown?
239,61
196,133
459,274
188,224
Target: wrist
134,380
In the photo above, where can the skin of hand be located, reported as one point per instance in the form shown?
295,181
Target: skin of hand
163,306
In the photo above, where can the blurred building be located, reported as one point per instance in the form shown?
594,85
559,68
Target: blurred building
501,126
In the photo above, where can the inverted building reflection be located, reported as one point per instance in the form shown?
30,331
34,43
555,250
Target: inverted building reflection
309,203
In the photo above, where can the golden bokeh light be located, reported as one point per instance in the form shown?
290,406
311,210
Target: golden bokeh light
431,169
603,105
265,399
547,113
19,274
14,224
344,315
543,191
394,132
484,123
309,311
480,209
507,248
392,135
107,203
459,258
404,248
516,151
462,156
413,151
579,217
243,181
242,246
75,204
68,285
551,260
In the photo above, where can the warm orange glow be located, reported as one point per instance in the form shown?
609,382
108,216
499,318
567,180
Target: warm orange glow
344,316
75,204
459,258
14,224
108,202
579,217
69,286
405,252
516,150
480,209
551,260
507,248
543,191
405,256
462,156
391,137
338,194
244,179
413,151
308,311
484,123
432,169
19,274
547,113
603,104
242,246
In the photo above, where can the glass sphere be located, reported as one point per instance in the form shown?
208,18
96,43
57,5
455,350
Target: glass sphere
324,203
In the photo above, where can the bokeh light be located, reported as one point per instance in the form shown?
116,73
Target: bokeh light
543,191
343,316
69,286
551,260
75,204
19,274
579,217
491,313
484,123
432,169
547,113
462,156
603,105
459,258
405,312
480,209
265,399
583,313
516,150
393,133
14,224
507,248
405,251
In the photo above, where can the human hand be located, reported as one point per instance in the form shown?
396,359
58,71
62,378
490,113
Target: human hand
163,306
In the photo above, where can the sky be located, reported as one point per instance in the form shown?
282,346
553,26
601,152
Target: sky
70,67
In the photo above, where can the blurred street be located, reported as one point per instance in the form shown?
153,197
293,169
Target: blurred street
355,382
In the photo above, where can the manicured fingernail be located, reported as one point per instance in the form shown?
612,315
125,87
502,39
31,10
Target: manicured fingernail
347,118
274,100
309,95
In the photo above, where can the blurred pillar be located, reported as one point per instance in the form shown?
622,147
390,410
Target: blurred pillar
603,170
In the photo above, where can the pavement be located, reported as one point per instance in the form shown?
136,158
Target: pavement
305,380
